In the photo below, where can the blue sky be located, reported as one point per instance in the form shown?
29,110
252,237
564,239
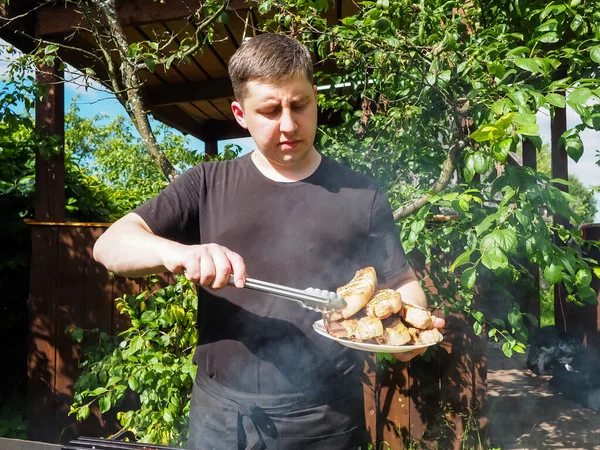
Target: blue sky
97,101
94,101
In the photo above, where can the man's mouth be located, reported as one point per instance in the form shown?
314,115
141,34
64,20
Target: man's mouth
292,143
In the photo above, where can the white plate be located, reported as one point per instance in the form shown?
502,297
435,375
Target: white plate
365,347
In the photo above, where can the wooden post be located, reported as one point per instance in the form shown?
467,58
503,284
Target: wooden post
43,303
211,147
50,172
560,169
532,302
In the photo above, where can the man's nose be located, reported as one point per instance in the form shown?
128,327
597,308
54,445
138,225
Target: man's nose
287,121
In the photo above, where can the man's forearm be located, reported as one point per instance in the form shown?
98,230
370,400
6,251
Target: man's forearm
129,248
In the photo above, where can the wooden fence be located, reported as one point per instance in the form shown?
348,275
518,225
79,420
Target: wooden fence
426,401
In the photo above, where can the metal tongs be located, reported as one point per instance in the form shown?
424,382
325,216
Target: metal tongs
313,299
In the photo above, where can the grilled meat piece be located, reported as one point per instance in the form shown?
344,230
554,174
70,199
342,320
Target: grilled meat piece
344,329
369,328
425,337
417,316
362,329
356,293
394,332
384,303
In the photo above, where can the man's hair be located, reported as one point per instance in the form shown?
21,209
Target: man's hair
268,57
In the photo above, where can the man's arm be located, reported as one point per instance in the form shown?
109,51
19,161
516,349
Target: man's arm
129,248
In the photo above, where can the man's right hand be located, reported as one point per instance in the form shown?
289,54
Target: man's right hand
129,248
208,265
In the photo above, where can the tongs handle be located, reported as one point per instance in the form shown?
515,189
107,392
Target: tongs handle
314,299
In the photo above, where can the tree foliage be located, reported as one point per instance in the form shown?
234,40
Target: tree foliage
439,94
152,358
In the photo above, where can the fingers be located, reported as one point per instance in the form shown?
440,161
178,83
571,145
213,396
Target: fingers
238,267
439,323
211,265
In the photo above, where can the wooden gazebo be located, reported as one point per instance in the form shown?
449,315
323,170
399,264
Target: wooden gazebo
423,400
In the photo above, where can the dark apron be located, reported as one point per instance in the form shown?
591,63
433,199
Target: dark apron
222,418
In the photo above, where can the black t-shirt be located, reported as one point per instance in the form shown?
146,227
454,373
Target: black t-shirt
311,233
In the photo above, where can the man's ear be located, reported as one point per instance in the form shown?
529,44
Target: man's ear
238,113
315,90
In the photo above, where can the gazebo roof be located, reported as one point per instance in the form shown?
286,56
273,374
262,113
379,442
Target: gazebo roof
194,96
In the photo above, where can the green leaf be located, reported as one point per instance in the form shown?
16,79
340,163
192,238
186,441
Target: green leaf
527,64
167,416
83,413
149,62
556,100
583,277
77,335
502,149
505,239
493,259
553,274
515,319
468,277
595,54
98,391
549,38
580,96
104,404
549,25
133,383
574,146
531,129
463,258
485,224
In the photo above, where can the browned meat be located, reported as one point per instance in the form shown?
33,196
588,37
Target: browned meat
356,293
417,316
369,328
362,329
384,303
425,337
344,329
394,332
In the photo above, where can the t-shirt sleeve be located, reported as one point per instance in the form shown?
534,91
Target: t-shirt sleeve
385,249
174,213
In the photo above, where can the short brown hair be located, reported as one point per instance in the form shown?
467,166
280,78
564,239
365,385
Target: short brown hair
268,57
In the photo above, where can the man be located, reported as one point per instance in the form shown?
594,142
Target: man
283,214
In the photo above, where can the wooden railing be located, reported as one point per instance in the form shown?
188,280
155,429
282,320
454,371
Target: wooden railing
426,400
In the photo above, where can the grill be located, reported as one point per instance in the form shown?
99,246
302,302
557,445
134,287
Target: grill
85,443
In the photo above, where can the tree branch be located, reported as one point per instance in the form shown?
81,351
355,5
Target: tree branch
136,107
442,181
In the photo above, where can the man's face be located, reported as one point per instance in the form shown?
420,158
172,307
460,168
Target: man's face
281,116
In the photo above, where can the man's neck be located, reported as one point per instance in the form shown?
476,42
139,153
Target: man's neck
287,174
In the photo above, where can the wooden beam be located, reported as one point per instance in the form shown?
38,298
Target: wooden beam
63,19
171,94
50,172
